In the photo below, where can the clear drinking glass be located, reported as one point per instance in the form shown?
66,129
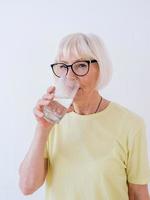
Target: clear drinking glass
65,90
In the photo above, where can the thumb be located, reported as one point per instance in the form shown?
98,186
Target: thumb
70,109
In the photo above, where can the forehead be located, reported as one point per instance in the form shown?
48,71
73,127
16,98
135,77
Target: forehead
69,58
72,60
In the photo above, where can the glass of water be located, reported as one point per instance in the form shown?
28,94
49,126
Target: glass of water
65,91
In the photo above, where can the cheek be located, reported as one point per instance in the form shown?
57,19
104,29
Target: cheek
84,82
89,81
87,84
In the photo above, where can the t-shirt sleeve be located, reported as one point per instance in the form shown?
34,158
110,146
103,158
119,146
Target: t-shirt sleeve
138,169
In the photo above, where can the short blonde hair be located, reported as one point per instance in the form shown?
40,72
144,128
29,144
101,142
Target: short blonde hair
87,46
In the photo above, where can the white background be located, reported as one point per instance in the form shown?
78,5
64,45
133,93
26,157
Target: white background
29,33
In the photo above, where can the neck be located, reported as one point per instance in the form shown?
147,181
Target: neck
87,104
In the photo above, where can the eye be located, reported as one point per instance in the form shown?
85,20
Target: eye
62,66
82,65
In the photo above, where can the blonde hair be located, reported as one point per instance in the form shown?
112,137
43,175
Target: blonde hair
88,46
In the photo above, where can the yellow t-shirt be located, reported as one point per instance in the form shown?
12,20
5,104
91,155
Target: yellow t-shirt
92,157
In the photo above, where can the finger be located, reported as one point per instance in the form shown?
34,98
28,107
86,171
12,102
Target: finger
48,96
70,109
51,89
42,103
38,113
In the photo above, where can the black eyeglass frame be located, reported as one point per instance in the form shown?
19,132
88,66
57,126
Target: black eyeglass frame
67,66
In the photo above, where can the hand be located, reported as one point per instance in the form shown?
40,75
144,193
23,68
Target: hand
38,109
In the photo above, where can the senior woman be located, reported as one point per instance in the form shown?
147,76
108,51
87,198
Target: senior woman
98,151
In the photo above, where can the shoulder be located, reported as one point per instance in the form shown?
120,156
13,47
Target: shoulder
130,122
130,117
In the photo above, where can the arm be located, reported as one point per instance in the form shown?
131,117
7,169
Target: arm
138,192
33,168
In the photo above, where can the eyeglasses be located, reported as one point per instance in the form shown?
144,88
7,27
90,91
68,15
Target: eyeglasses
80,68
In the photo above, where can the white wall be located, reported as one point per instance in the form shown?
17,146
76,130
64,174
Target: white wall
29,33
